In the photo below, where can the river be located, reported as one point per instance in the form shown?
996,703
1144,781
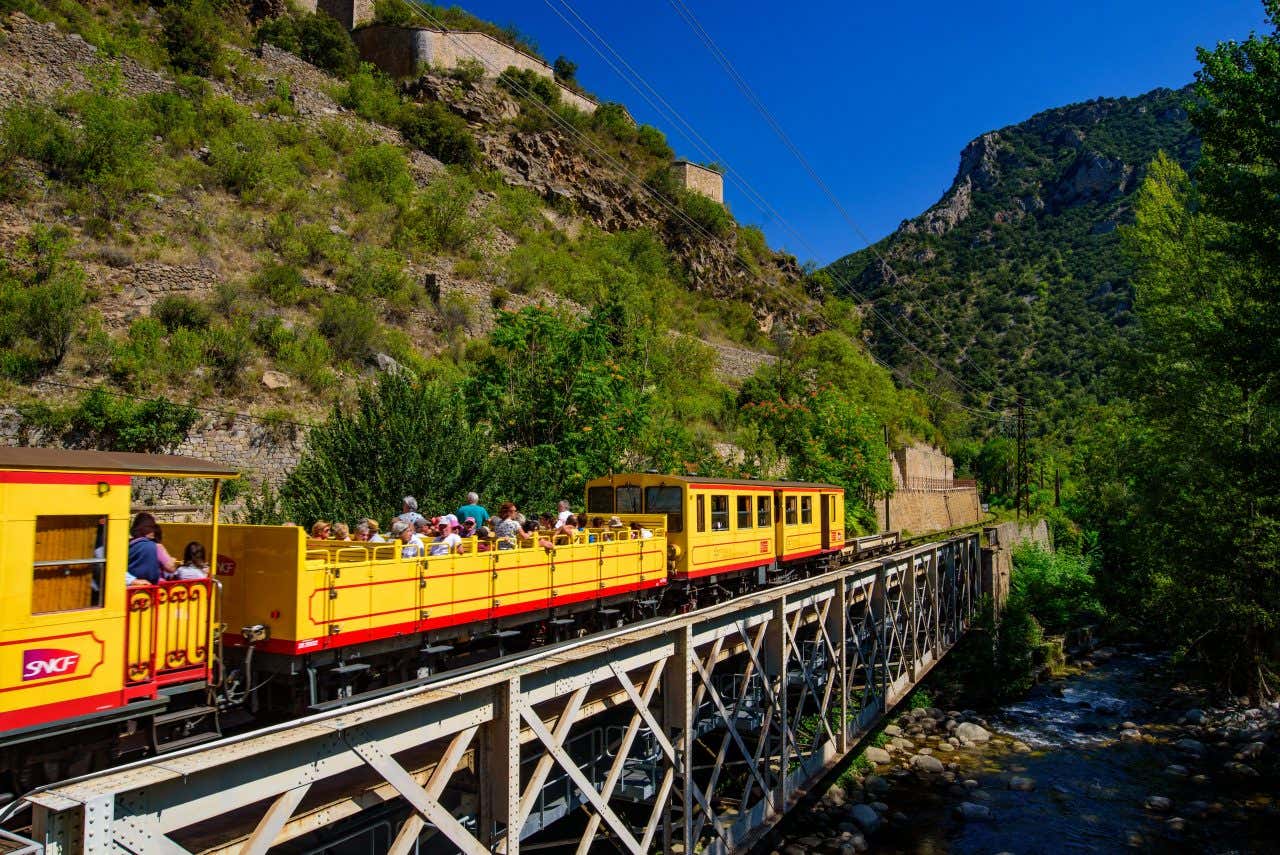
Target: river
1087,783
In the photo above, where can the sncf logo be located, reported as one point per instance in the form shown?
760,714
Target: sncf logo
48,662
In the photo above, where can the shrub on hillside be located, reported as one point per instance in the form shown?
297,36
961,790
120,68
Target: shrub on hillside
282,284
654,141
701,215
468,72
526,83
393,13
178,311
375,272
351,327
372,95
229,351
440,133
316,37
378,173
192,34
1056,587
439,219
109,422
42,293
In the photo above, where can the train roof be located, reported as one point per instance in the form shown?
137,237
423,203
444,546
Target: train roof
732,482
113,462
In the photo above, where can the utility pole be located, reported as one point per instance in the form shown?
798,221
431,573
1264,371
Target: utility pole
1022,486
890,490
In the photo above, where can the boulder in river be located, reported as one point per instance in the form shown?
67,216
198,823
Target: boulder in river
1158,803
875,784
1252,751
972,812
1177,771
892,730
926,763
1022,783
1241,770
1190,746
866,818
1194,716
971,732
877,755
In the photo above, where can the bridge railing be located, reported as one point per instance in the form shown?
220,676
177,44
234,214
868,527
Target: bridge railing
780,684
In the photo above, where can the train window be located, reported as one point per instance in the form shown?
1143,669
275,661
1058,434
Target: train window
599,500
69,562
702,512
744,512
662,500
806,510
628,500
762,512
720,513
791,510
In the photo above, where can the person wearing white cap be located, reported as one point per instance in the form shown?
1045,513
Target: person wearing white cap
447,540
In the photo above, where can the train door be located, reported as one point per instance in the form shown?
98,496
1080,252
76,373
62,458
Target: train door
828,511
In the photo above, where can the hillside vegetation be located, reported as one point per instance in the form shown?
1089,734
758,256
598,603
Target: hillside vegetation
193,216
1015,280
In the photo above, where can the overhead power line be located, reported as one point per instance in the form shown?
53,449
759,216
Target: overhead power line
662,200
637,81
705,37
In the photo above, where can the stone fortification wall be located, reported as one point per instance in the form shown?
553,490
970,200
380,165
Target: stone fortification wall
699,179
923,511
404,51
922,467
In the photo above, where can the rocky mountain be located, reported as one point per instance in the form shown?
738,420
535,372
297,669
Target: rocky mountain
1015,280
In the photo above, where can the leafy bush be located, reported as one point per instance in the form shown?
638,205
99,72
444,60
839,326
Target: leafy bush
706,215
316,37
351,327
372,95
1055,587
375,272
229,351
527,83
468,72
752,247
41,296
565,70
281,283
393,13
439,218
177,311
192,35
378,173
112,423
654,141
440,133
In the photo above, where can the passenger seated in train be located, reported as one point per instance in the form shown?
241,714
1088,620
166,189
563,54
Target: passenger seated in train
563,512
508,529
409,548
640,532
340,531
483,539
193,566
424,530
375,535
321,529
148,559
446,539
410,514
468,528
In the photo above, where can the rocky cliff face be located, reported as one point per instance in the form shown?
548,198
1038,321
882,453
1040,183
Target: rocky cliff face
1019,261
567,173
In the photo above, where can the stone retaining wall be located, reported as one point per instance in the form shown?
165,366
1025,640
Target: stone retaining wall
405,51
923,511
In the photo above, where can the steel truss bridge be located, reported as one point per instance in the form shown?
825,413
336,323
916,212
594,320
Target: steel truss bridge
688,733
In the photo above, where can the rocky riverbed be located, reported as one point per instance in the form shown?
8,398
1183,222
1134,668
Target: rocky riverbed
1118,755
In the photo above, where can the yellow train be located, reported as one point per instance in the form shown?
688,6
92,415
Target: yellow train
287,623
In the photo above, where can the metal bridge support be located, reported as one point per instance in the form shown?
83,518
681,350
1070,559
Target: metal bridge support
739,708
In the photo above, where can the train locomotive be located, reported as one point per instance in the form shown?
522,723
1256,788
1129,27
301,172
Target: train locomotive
287,624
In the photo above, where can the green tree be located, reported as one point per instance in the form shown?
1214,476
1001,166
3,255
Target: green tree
403,437
566,70
1199,474
192,35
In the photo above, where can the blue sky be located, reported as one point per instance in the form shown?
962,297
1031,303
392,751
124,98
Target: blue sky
880,97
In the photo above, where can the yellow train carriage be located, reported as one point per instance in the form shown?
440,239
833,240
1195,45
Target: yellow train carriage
75,641
718,526
289,595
